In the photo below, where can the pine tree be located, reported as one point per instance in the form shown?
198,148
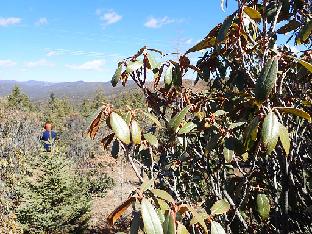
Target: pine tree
17,99
54,199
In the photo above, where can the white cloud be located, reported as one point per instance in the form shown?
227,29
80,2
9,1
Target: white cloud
93,65
153,22
9,21
41,21
52,53
108,17
95,54
7,63
39,63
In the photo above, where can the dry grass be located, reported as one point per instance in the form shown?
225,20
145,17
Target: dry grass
125,182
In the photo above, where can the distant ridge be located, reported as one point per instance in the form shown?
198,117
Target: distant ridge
41,90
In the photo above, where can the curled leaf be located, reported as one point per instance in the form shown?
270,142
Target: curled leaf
266,80
270,131
135,132
120,128
96,121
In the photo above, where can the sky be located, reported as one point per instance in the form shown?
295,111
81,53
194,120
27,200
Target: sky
71,40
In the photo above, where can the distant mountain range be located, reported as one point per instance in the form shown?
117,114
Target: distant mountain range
40,90
75,91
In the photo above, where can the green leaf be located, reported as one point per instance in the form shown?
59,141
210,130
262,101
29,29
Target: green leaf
307,65
182,229
132,66
163,195
187,128
266,81
152,61
120,127
176,76
290,26
225,28
228,154
216,228
135,132
284,137
175,122
220,207
236,125
250,134
116,75
252,13
147,184
169,224
163,205
152,118
168,75
220,112
152,224
151,139
270,131
295,111
208,42
263,206
161,216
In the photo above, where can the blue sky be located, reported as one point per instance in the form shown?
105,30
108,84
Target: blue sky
69,40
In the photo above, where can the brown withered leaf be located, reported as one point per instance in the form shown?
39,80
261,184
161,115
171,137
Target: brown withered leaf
107,140
99,115
95,125
117,213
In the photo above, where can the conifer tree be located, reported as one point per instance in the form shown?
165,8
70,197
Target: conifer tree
54,199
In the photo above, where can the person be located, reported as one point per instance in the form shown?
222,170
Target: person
48,136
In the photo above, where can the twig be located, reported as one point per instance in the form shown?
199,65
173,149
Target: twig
133,165
236,210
